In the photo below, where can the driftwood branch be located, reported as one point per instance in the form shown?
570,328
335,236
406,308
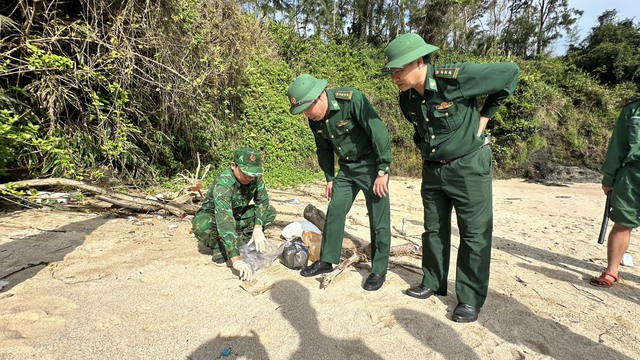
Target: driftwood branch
123,200
363,247
327,278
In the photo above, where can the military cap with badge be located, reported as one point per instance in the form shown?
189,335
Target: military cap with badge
304,90
403,50
249,161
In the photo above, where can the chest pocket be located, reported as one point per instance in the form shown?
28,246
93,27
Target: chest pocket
344,127
446,117
320,132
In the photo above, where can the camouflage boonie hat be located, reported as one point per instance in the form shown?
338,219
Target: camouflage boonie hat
303,91
249,161
403,50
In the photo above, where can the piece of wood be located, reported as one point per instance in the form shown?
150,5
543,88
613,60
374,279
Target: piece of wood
127,201
315,216
327,278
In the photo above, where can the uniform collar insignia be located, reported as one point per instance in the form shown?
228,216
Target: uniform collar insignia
333,103
430,83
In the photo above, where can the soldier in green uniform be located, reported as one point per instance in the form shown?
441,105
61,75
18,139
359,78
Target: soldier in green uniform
441,103
621,169
226,220
344,122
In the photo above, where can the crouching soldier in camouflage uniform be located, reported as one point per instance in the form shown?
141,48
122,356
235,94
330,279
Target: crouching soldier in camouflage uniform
226,220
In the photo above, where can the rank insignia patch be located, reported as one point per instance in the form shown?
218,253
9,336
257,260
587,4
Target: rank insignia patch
342,123
344,95
447,73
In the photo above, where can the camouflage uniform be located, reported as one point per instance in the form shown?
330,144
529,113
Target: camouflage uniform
226,219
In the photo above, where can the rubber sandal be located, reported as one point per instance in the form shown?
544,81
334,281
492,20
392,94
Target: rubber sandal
605,280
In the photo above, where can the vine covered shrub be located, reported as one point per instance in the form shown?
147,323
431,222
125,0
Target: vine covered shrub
132,88
285,140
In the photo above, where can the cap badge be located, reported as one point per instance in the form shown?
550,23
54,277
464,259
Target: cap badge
293,101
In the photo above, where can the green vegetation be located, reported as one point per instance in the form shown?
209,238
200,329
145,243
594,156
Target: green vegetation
138,90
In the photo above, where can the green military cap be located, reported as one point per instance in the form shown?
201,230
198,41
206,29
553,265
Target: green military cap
403,50
303,91
249,161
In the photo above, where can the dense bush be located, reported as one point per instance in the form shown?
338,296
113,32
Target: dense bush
140,89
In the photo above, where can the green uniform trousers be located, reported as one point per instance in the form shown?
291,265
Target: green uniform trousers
204,228
463,184
353,177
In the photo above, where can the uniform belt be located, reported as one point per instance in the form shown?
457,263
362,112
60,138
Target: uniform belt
359,159
487,141
440,161
633,164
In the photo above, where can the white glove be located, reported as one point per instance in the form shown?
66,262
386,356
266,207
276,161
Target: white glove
246,274
260,240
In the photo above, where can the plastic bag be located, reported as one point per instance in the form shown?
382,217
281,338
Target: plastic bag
296,229
295,254
251,256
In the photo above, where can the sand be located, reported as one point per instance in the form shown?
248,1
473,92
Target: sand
105,286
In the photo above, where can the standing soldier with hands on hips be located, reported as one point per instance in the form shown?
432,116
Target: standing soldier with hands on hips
344,122
441,103
227,220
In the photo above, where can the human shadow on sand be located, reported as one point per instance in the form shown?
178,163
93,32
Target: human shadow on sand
434,334
566,268
296,308
245,347
510,320
23,257
518,325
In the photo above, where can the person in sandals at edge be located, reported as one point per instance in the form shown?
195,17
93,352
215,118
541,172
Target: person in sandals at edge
621,169
226,220
343,121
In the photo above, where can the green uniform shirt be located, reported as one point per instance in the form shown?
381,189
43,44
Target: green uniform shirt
624,145
352,130
226,199
446,119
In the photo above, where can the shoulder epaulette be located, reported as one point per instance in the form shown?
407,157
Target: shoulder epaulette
447,73
343,94
631,102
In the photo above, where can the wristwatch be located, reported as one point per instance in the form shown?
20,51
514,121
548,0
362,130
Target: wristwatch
382,173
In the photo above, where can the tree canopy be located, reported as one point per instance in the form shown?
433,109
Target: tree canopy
611,51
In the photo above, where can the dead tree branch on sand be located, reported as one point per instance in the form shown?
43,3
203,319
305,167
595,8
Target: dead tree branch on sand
134,203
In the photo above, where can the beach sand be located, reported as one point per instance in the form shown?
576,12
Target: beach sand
105,286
